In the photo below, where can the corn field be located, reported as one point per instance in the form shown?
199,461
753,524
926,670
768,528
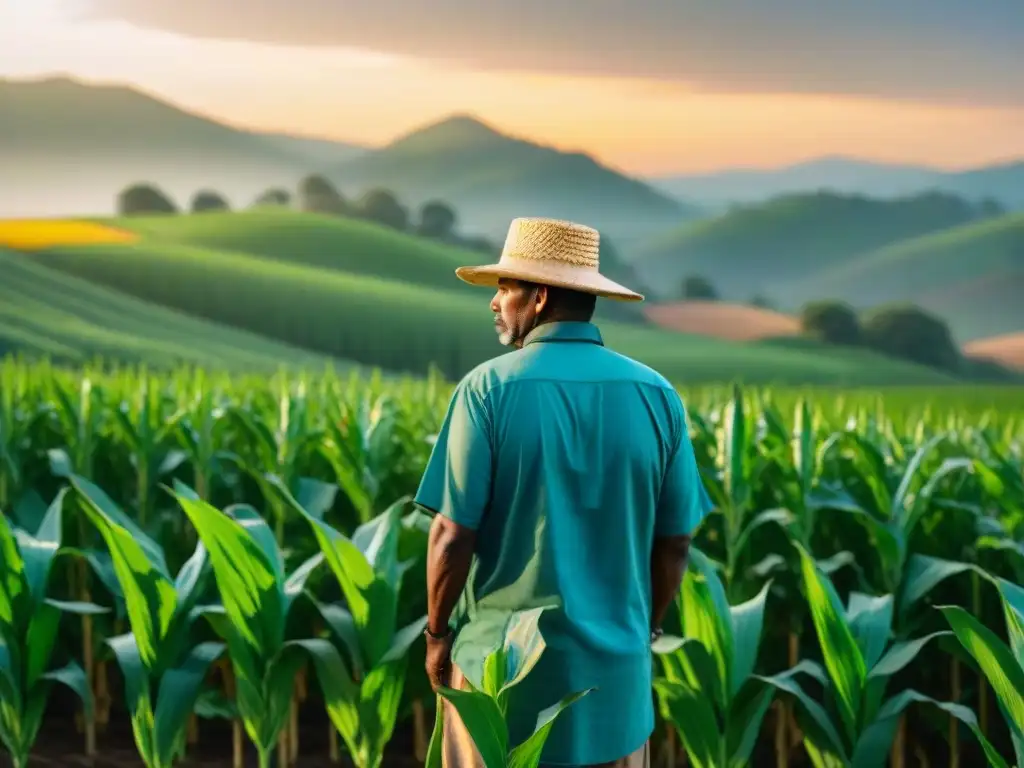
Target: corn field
232,567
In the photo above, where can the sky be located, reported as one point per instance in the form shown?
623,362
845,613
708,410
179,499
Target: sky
652,87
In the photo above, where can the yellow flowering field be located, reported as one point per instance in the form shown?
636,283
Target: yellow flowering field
39,234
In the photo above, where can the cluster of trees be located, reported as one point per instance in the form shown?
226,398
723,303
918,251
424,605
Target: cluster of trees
903,331
316,194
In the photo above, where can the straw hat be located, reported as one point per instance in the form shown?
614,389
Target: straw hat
550,252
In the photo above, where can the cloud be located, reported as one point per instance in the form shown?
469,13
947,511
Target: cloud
952,51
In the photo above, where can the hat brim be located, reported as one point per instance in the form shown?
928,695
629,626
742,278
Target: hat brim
556,275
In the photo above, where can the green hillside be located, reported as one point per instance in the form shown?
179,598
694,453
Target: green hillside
407,325
762,249
346,244
44,312
972,275
492,178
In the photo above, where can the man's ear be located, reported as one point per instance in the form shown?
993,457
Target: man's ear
541,298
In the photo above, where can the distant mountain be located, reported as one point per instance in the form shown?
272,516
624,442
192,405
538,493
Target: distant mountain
491,178
318,153
1004,182
762,249
68,147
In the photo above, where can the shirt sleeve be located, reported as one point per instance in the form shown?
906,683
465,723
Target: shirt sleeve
684,502
457,480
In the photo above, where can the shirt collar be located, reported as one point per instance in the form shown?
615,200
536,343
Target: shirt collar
565,331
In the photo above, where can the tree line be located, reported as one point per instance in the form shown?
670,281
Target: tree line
902,330
435,219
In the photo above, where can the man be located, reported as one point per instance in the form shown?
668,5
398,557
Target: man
566,470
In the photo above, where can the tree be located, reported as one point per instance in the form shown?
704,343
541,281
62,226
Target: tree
318,195
833,322
381,206
208,200
437,220
274,196
697,287
908,332
143,199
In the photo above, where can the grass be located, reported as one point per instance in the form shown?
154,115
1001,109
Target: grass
47,313
324,297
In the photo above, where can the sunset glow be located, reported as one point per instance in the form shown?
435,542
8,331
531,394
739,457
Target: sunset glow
370,98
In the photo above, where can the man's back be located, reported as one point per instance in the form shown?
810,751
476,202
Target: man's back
581,440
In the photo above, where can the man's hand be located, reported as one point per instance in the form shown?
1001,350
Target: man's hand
439,651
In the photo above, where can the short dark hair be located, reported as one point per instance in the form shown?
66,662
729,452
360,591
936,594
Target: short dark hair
567,303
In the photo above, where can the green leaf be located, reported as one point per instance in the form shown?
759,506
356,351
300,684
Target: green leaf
842,656
690,711
875,743
250,591
72,676
1013,611
524,645
996,660
747,624
921,575
705,617
150,598
744,719
435,750
528,754
14,590
870,621
38,551
820,735
484,722
179,689
372,601
136,678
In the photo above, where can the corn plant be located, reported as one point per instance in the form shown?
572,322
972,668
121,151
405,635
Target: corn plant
1002,665
708,690
256,599
859,661
159,656
483,705
369,572
29,622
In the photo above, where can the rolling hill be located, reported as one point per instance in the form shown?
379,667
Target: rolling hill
973,276
46,313
68,148
762,249
401,324
1003,182
491,178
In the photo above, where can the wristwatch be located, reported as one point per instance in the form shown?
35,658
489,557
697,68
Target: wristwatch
656,634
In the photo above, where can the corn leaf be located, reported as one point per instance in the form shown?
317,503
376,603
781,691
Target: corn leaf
486,725
528,754
747,623
693,716
997,662
179,689
843,658
150,598
251,592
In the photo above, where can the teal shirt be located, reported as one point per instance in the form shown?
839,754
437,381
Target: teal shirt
568,459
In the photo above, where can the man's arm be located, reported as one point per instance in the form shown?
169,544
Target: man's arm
668,564
682,505
449,556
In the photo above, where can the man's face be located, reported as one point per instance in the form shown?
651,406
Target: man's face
515,308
